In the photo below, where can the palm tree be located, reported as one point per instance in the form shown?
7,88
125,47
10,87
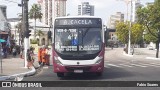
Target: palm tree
20,31
39,33
35,13
19,26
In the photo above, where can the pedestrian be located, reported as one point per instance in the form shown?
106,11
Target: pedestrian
32,54
40,56
47,56
14,51
43,56
21,52
29,58
5,52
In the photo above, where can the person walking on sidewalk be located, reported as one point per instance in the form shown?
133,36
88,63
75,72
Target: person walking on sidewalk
47,56
14,51
40,56
21,52
43,56
5,52
30,58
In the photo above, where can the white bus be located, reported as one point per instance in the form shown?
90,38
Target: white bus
78,45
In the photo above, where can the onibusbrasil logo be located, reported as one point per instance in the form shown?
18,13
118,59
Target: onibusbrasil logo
21,84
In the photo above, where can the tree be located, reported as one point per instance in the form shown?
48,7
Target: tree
39,33
122,31
35,13
20,31
149,18
136,33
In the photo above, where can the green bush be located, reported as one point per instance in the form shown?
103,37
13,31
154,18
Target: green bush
34,41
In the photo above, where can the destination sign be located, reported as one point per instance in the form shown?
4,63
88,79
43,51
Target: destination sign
79,21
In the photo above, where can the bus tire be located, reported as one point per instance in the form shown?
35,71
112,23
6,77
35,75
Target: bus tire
99,73
60,74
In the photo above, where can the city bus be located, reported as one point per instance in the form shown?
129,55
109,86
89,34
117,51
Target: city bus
78,45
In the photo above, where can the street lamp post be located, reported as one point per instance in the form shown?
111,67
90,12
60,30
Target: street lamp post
127,3
129,36
129,41
26,30
1,55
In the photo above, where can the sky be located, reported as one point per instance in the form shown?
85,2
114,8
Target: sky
103,8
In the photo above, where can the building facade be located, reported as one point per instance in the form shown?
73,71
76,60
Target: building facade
15,34
4,10
114,18
59,8
46,7
136,5
51,9
86,9
4,25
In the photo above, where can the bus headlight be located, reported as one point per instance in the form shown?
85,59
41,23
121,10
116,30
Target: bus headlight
99,60
57,60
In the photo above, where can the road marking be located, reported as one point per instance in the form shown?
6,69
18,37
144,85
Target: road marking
153,58
113,65
158,64
138,65
150,64
155,65
145,64
125,65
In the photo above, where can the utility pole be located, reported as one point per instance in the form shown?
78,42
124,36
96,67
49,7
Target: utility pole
22,19
26,29
1,55
129,36
129,41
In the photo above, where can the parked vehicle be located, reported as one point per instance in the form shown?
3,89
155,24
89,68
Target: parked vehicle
150,47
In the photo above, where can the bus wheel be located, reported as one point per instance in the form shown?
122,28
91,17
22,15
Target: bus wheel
60,74
99,73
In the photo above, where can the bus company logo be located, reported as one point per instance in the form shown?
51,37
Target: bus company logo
78,63
6,84
77,22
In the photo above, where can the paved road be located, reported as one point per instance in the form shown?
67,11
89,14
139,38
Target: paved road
118,67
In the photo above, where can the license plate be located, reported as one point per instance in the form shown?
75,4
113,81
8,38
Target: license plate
78,71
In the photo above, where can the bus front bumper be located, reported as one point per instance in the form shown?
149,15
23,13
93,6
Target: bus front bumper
79,68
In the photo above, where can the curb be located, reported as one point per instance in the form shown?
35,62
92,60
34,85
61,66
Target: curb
153,58
148,58
18,77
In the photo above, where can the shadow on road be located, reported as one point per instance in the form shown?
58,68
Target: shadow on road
115,73
109,73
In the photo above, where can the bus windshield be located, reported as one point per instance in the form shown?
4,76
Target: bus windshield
78,41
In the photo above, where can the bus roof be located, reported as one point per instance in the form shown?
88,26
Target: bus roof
77,17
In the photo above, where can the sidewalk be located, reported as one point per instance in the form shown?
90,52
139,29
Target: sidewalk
143,54
13,67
